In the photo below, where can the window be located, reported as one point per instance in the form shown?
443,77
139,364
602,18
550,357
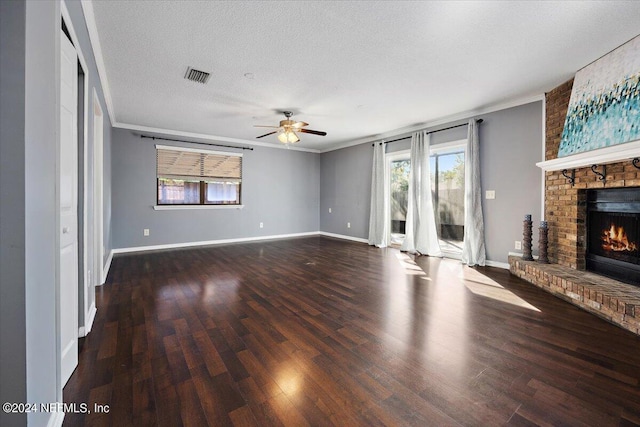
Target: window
447,187
187,176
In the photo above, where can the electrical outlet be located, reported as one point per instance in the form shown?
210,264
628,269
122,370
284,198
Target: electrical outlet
518,244
490,194
261,225
329,210
348,225
145,232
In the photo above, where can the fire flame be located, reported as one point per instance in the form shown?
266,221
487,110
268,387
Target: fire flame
615,239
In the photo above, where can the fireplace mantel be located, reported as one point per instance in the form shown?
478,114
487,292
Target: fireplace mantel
616,153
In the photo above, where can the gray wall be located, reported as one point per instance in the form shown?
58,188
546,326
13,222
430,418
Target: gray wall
29,47
13,374
41,126
279,188
510,145
345,187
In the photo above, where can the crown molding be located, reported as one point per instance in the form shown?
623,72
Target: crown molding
398,133
94,39
208,137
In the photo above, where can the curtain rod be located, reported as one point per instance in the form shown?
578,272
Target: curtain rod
433,131
193,142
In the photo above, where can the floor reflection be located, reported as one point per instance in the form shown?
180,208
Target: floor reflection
431,311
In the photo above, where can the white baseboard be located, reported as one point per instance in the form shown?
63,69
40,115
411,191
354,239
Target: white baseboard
489,263
503,265
344,237
90,317
225,241
55,419
210,242
105,269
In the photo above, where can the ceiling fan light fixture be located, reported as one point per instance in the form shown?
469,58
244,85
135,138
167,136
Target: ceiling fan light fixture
288,137
287,130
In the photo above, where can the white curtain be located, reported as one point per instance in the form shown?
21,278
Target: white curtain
421,236
379,214
473,250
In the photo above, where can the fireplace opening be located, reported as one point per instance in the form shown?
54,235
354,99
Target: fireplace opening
613,233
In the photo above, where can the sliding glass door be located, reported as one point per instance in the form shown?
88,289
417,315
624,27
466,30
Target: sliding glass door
447,185
447,190
399,167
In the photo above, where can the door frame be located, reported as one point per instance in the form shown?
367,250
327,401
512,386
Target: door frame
98,188
87,282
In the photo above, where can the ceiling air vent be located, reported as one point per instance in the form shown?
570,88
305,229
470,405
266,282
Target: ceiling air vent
197,75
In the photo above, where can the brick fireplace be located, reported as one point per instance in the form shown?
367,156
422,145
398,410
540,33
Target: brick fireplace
566,214
566,205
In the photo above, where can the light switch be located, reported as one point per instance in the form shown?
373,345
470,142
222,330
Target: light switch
490,194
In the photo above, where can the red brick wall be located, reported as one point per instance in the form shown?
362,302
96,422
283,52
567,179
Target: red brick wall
565,205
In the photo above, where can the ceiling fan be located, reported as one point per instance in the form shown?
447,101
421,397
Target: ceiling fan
288,128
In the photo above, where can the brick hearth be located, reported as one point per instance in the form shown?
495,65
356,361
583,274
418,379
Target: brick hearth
565,211
614,301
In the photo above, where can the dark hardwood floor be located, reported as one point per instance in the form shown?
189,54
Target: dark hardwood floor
317,331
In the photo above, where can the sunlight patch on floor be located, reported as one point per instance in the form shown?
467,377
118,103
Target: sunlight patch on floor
407,262
482,285
475,281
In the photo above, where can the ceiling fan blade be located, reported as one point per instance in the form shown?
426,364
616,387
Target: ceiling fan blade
264,126
299,124
267,134
313,132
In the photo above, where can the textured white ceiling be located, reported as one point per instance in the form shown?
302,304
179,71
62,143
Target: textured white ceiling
353,69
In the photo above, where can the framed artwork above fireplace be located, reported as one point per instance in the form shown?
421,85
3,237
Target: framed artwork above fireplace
604,109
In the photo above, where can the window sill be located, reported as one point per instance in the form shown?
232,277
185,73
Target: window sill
192,207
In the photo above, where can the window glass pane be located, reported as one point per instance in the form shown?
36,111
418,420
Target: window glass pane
222,193
399,198
178,192
450,196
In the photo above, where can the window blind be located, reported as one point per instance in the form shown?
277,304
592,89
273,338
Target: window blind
198,165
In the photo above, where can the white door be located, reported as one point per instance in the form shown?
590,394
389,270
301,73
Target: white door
68,193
